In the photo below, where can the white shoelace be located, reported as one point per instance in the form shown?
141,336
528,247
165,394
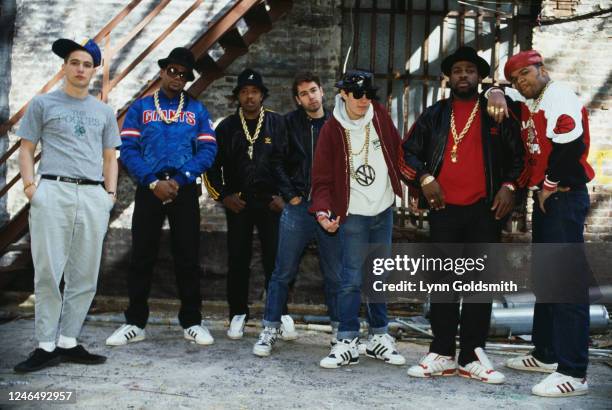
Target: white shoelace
267,336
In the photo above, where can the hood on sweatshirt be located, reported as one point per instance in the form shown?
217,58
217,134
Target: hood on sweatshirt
342,116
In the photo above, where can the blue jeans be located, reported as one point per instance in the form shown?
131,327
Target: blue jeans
561,330
356,235
297,229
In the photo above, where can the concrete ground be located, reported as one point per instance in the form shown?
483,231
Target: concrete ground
167,371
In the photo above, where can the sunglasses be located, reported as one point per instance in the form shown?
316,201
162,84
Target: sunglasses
174,72
359,93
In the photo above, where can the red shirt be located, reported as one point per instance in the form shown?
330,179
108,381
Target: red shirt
463,182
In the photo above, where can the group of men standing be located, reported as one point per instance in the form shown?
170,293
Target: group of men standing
332,177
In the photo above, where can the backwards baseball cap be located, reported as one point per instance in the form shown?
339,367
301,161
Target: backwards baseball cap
520,60
63,47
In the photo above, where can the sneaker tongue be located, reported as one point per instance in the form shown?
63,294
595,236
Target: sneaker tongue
482,357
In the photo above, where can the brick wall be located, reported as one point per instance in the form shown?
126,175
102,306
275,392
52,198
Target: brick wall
40,22
576,51
308,37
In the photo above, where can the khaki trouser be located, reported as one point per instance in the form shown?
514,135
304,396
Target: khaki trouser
68,223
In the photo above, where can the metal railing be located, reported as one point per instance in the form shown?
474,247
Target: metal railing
258,15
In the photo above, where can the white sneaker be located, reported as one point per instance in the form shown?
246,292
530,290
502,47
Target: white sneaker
199,334
361,346
530,364
126,334
267,339
560,385
236,328
287,329
433,364
481,369
382,347
342,353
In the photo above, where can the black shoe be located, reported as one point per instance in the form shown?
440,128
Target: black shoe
38,359
78,354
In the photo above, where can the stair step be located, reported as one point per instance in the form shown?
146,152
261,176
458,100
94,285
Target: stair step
258,15
232,40
208,65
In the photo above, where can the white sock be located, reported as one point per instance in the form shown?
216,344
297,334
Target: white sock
47,346
66,342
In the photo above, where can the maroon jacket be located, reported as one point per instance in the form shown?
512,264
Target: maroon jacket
330,171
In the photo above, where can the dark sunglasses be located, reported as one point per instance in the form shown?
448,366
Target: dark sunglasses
173,72
360,92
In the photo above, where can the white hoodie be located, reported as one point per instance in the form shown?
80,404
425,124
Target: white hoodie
373,199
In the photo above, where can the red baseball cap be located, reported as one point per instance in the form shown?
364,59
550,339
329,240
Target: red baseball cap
520,60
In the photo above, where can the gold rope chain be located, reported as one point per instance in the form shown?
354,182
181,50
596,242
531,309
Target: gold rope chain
176,115
245,128
531,136
366,146
457,138
536,104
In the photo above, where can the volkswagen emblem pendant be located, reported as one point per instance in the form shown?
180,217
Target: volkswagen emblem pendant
365,175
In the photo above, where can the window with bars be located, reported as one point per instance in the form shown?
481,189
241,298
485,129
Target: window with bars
404,42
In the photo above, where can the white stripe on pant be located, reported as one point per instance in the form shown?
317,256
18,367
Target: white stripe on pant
68,223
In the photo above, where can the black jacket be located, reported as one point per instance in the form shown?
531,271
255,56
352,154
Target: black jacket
233,170
425,144
302,134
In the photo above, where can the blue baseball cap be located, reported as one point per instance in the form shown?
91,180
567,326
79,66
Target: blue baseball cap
63,47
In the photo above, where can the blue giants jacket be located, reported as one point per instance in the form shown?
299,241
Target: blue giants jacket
185,148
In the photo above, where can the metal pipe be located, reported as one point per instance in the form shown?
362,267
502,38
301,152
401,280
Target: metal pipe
600,295
518,321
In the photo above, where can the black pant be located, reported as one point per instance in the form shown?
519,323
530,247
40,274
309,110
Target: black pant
461,224
184,217
239,251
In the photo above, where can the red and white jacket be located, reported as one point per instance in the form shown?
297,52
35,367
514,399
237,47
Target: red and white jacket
557,153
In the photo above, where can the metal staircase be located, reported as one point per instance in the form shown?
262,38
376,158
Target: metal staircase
229,37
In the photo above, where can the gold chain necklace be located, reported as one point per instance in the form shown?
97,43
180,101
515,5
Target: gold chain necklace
366,146
176,115
245,128
531,135
457,138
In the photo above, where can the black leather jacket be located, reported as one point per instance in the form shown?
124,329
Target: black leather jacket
233,170
302,134
425,144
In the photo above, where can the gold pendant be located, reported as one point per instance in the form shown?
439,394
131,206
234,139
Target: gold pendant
453,153
250,151
531,135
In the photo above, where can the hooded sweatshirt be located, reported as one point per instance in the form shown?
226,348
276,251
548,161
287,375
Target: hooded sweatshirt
372,199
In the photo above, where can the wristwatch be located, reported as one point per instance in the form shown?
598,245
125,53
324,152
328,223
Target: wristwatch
153,184
427,180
